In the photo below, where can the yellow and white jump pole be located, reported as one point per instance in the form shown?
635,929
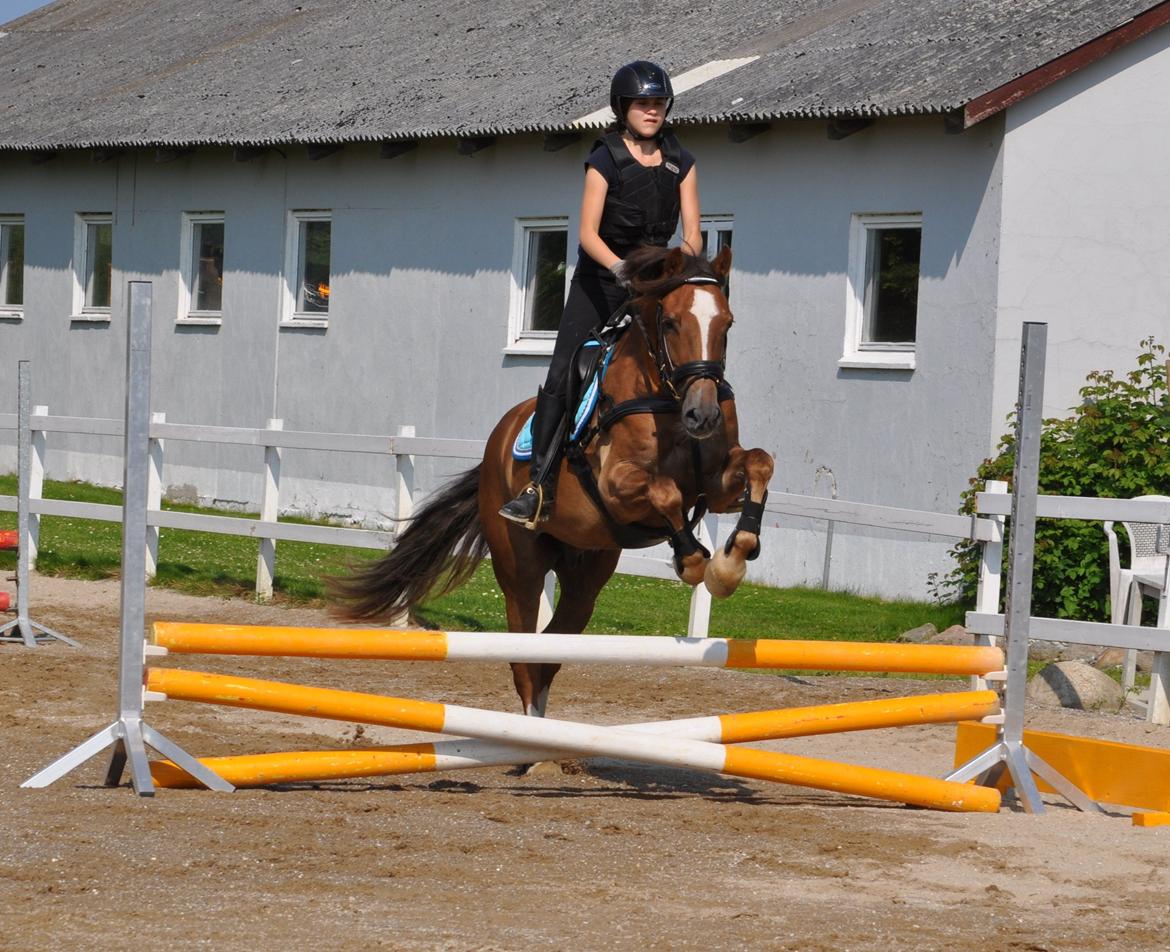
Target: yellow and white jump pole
578,739
391,645
299,766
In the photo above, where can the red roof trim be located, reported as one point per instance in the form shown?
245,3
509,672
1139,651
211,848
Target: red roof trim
1011,93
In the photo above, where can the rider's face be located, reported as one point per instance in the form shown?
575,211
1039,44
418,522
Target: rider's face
645,116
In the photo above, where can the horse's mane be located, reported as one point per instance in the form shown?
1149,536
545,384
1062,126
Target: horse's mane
651,275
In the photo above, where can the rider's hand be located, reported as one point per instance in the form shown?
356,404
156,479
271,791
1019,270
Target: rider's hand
620,273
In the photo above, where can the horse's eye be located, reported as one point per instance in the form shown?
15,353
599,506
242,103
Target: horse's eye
669,324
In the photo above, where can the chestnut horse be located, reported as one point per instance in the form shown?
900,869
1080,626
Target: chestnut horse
664,439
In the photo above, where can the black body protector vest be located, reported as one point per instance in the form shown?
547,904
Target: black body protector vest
643,208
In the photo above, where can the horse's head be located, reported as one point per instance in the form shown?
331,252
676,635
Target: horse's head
686,319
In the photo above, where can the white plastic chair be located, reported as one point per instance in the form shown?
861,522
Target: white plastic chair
1145,575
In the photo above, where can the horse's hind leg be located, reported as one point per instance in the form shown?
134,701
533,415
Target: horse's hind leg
581,575
520,561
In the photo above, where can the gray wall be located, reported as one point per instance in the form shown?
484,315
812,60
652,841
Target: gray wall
422,250
895,438
1086,223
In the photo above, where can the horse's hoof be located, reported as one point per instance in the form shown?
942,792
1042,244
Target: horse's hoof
543,768
723,575
693,574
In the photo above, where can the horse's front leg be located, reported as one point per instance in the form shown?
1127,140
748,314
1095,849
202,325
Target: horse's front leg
690,559
749,470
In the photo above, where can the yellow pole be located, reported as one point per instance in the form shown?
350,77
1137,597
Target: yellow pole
256,770
392,645
259,770
582,739
858,715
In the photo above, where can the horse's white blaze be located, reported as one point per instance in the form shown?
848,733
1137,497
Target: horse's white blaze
706,309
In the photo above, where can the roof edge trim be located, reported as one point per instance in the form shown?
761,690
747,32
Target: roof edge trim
1000,98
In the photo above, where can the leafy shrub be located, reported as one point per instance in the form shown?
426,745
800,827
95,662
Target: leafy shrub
1116,444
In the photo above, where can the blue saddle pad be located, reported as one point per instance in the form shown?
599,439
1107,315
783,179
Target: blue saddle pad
522,448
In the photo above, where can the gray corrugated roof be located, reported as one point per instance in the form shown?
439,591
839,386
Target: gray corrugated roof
82,73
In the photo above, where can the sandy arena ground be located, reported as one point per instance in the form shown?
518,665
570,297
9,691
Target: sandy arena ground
602,855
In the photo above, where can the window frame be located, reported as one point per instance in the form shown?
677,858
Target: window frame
82,311
11,311
187,265
521,340
289,315
716,224
857,352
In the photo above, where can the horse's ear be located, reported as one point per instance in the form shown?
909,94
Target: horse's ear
673,263
722,263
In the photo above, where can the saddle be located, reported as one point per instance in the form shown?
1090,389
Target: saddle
582,389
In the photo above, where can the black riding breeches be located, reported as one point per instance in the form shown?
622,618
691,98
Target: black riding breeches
592,299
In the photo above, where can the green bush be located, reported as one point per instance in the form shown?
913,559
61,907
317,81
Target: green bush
1116,444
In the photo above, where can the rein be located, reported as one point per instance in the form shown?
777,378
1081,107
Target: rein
675,380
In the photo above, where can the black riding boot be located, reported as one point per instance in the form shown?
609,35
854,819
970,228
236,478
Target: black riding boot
535,502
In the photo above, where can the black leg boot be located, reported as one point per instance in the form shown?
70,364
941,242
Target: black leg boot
535,502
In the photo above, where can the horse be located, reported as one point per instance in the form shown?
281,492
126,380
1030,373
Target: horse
663,440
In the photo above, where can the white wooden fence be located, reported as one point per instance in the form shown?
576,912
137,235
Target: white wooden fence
987,621
986,527
401,449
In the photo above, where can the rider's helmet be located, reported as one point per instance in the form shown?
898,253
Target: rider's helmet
640,79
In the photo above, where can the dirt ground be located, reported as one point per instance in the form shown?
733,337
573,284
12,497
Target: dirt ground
602,855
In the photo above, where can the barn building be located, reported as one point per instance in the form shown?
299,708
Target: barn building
359,215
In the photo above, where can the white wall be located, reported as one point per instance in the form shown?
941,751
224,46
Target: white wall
1086,221
422,250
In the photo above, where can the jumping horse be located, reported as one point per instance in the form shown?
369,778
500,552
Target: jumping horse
663,442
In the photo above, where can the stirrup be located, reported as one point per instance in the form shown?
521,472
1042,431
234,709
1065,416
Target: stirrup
529,508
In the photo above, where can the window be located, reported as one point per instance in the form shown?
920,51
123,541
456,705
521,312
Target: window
201,295
716,233
11,265
717,236
308,267
93,263
882,304
538,284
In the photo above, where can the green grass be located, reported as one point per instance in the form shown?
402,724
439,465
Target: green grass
206,564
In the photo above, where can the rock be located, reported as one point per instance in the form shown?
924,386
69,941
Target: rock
1078,653
1045,651
919,635
1075,684
1115,658
955,635
1109,658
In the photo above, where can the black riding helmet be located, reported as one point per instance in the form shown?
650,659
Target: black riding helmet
640,79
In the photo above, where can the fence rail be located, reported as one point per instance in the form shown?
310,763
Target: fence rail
401,448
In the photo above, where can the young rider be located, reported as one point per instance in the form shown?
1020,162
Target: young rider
638,182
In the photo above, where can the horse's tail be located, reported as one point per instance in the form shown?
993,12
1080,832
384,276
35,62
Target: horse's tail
437,552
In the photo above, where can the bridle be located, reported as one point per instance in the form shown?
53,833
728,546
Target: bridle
677,379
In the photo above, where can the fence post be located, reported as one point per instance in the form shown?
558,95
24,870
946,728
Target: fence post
699,621
830,524
269,512
1158,711
36,489
403,500
404,480
544,611
154,481
990,569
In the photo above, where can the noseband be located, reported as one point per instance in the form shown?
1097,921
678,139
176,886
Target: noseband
676,380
